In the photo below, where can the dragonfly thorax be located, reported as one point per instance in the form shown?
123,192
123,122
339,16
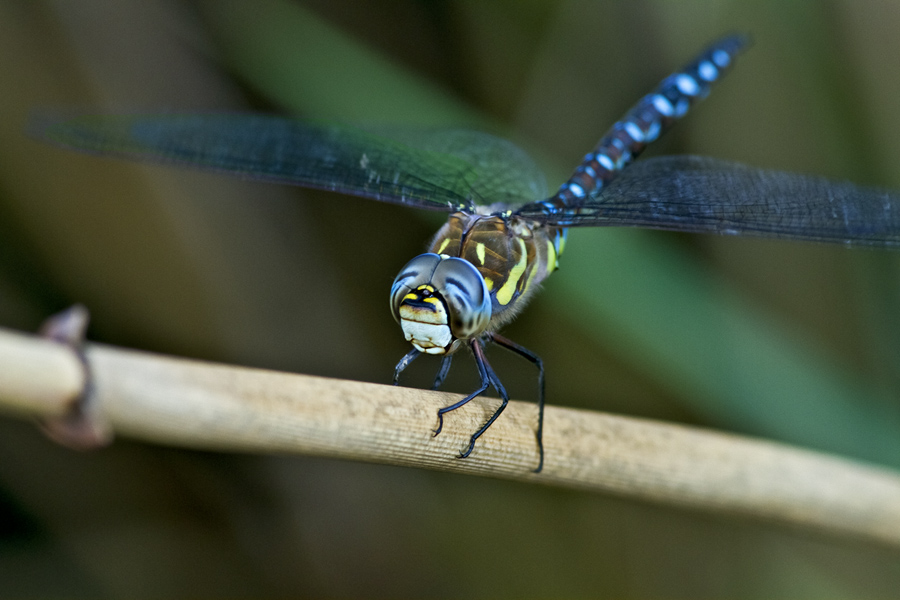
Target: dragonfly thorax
440,301
512,255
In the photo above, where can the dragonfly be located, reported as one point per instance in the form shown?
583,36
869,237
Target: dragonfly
504,234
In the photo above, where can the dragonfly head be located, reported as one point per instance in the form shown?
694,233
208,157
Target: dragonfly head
440,301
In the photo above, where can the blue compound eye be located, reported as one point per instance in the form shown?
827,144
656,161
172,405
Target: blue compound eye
466,296
415,273
438,301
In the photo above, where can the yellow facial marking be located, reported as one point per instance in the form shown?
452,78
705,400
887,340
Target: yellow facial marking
410,296
426,287
431,300
479,251
505,293
443,245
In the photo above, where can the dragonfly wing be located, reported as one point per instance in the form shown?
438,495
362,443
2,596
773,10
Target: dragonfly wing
705,195
434,169
502,172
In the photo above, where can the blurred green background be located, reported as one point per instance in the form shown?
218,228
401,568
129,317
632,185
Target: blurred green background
793,342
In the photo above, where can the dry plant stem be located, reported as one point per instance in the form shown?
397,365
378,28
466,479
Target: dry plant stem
38,377
202,405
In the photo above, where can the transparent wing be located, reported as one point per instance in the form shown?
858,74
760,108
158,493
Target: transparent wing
502,171
705,195
430,168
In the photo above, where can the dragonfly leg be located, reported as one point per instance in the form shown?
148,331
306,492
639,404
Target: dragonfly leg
487,376
485,383
404,362
442,373
536,361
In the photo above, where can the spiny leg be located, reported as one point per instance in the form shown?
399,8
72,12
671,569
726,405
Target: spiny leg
442,373
534,359
404,362
486,372
485,382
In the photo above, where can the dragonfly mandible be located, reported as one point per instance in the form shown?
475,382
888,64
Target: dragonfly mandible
504,235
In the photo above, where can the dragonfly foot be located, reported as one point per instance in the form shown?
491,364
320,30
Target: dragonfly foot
469,449
440,425
540,462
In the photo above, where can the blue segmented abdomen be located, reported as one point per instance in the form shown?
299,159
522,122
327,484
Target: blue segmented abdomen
646,121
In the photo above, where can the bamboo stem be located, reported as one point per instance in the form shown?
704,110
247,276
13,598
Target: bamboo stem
202,405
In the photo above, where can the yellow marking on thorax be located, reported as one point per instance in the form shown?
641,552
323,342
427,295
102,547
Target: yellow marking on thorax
479,251
443,246
505,293
531,277
489,283
552,257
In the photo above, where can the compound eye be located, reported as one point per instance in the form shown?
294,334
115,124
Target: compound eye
466,295
415,273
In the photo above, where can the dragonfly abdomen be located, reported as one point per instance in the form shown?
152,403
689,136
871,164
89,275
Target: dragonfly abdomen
645,122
